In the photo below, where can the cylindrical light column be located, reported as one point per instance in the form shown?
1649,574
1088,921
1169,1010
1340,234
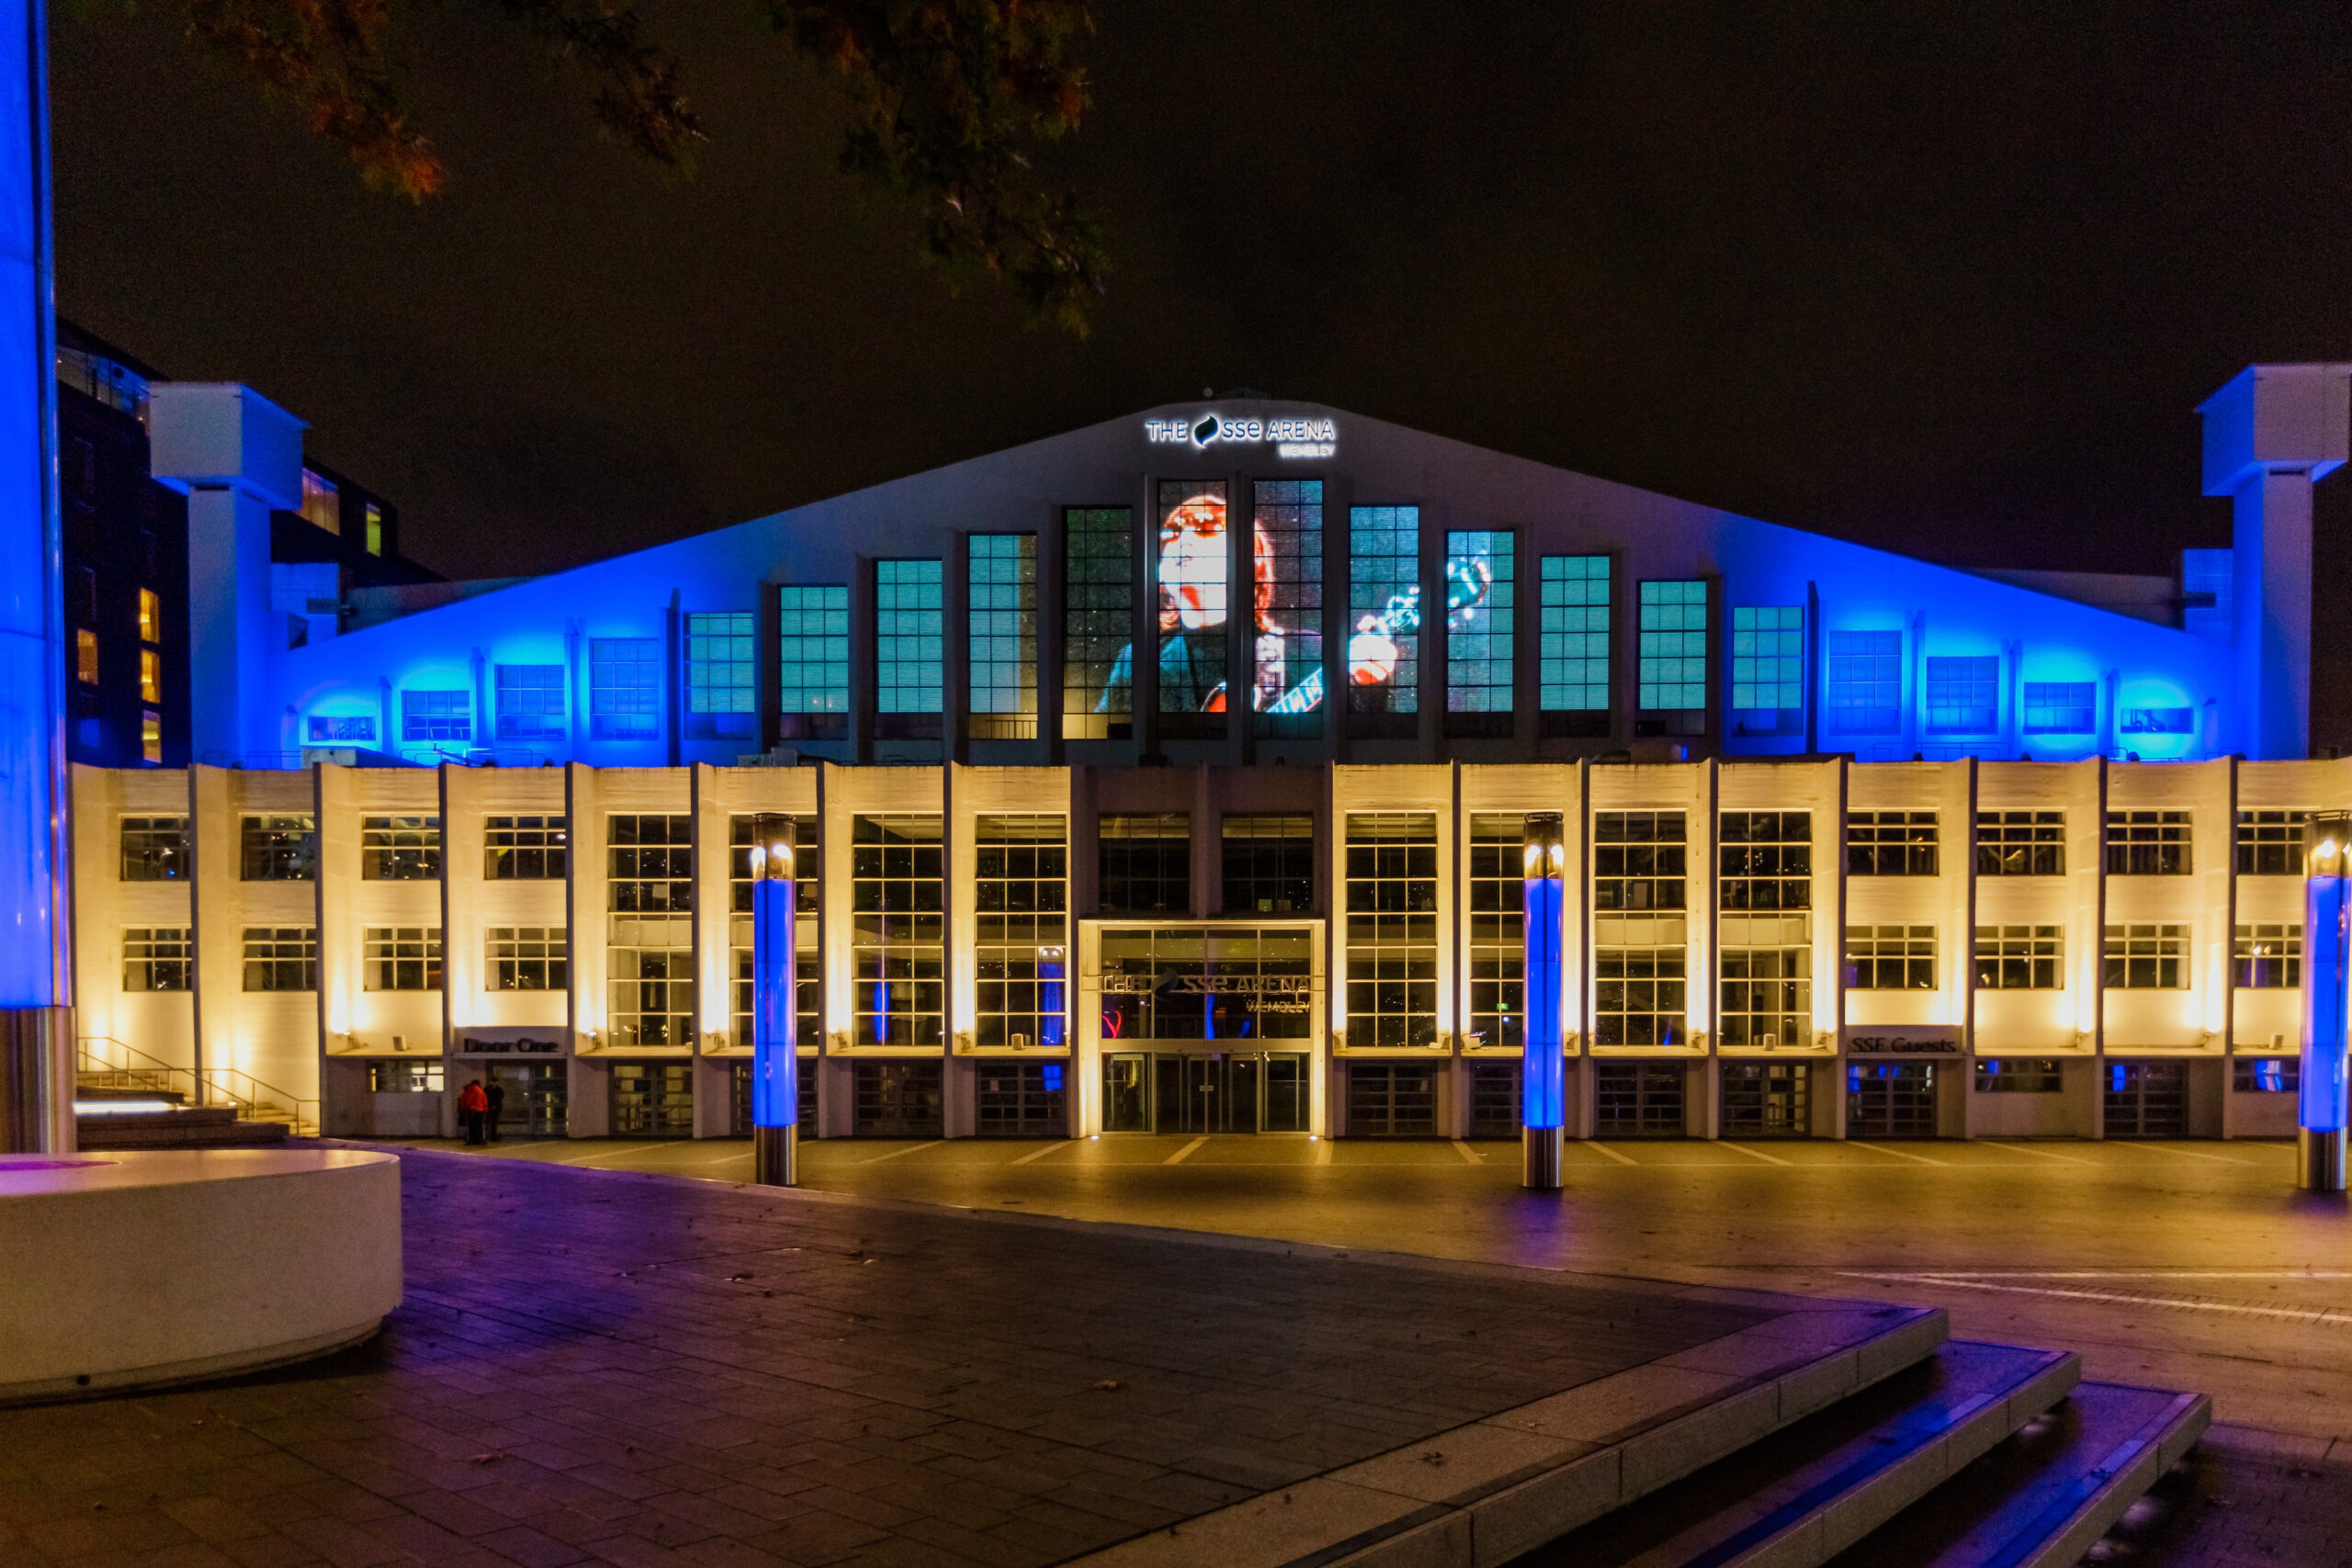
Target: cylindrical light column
2327,965
1543,1068
775,1065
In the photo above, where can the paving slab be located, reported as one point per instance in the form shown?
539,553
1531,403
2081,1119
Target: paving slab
599,1366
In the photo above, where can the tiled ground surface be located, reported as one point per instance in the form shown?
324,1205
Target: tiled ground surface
643,1370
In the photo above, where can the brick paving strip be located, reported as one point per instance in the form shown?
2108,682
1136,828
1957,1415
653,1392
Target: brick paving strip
595,1366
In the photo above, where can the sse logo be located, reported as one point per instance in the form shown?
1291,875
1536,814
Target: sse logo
1290,437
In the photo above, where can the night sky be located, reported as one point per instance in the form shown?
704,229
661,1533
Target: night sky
1948,278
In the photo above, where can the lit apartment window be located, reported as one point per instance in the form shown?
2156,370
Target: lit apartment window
2147,844
1383,614
1481,568
910,641
155,848
2147,958
279,849
2020,958
1098,621
151,736
1392,928
400,848
1890,958
375,519
808,970
813,661
531,702
625,687
718,676
85,656
897,936
2270,843
1144,864
281,958
1269,864
1890,843
322,502
651,958
400,958
151,675
150,616
1289,592
1498,887
2267,957
1021,883
527,958
2020,844
157,958
523,849
1573,672
1003,632
1673,647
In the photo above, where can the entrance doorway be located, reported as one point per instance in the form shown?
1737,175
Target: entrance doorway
2147,1099
653,1100
739,1098
537,1095
1021,1099
1495,1109
1392,1099
899,1099
1224,1091
1638,1099
1766,1099
1891,1099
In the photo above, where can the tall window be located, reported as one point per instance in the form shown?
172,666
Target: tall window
85,656
2061,707
2270,843
909,640
2147,844
1637,860
1572,677
157,958
1269,864
1003,610
1865,683
1963,696
1497,930
1639,992
813,661
437,719
719,675
1289,594
1480,573
1768,669
155,848
2147,958
151,675
1022,885
524,849
2020,844
1383,614
2267,957
151,737
400,848
1192,576
1767,979
2020,958
1146,863
530,702
650,894
808,958
400,958
1891,958
1674,647
625,687
281,958
279,849
896,941
1765,860
1098,622
1890,843
1392,929
527,958
151,615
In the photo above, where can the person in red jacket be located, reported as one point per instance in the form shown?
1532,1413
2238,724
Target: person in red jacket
474,1109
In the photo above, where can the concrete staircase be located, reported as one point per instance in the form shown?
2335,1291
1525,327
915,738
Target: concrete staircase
163,1120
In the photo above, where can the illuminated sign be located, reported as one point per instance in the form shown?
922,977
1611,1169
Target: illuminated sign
1290,437
1273,993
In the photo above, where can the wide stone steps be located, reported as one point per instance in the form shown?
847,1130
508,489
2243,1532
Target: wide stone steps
182,1127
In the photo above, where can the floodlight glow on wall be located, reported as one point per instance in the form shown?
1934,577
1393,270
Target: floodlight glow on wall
775,1065
2327,945
1542,1067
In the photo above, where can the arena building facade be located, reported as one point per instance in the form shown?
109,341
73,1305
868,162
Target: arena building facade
1864,846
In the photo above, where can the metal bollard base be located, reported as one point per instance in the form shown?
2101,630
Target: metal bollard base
1544,1150
2319,1161
776,1156
37,1081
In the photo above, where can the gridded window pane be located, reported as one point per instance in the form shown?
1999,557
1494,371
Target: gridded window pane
1003,609
530,702
527,958
2266,1075
910,637
281,958
524,849
649,959
2020,1075
2147,844
1674,647
432,717
2020,958
813,661
1890,958
1193,573
1384,609
1767,657
650,863
2147,958
340,729
280,849
1098,621
2267,957
1498,888
1638,860
1637,996
400,958
1766,989
403,1077
1480,570
625,687
896,951
1963,696
1864,682
157,958
652,990
2020,844
2061,707
400,848
1269,864
1146,863
2270,843
2157,721
1392,929
1021,887
1764,860
1573,674
719,675
155,848
1289,552
1890,843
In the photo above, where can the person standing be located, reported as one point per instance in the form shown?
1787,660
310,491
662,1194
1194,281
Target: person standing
473,1105
494,1108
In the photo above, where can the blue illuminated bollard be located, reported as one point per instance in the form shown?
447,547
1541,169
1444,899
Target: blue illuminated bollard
1049,998
1544,1067
2327,936
776,1066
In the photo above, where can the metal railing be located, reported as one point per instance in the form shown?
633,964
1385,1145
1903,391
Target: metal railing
107,1063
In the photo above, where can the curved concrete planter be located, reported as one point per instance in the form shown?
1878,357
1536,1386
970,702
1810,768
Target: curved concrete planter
132,1269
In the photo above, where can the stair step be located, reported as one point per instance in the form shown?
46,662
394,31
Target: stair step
2044,1498
1816,1488
210,1127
